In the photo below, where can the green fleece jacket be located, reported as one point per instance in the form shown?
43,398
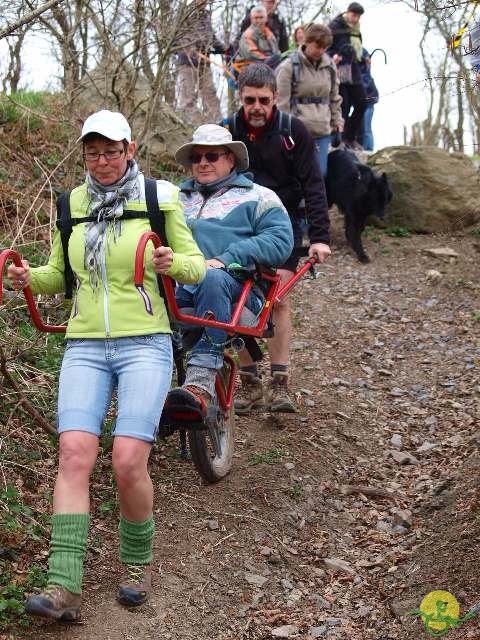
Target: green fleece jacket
117,308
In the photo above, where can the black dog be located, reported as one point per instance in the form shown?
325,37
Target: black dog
357,192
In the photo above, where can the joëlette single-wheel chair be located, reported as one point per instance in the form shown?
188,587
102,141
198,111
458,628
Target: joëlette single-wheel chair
211,442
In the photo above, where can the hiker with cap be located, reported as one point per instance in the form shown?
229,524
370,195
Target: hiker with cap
117,338
346,51
235,223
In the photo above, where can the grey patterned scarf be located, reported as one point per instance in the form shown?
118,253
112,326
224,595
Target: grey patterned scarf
107,202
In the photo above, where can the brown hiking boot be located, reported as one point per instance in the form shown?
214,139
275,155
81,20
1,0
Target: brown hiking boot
250,395
278,398
136,585
55,602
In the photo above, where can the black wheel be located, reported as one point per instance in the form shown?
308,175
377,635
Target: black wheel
212,448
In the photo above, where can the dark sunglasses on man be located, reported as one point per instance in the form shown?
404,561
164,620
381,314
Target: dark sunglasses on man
210,156
263,100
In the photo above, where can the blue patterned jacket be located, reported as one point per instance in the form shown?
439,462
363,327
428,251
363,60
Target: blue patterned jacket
239,222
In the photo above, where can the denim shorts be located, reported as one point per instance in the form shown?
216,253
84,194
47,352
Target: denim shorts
139,367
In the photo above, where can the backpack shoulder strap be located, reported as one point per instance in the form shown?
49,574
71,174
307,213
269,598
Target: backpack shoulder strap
231,124
333,74
285,132
157,224
64,225
155,214
295,58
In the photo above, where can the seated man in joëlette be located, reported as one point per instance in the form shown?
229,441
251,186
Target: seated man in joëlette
235,222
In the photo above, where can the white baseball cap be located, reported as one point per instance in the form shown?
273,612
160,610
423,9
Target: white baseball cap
109,124
213,135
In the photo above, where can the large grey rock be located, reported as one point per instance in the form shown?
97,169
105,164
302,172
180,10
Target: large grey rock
434,191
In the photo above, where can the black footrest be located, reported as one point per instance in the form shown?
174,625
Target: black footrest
182,411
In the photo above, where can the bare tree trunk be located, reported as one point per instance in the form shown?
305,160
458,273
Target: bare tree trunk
12,79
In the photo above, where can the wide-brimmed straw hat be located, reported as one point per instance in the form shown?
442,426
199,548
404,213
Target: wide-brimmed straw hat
213,135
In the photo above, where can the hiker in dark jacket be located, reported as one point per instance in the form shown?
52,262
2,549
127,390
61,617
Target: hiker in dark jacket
282,158
346,51
366,137
194,73
275,23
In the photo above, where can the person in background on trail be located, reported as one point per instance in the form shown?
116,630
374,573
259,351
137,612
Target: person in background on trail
371,91
308,88
346,52
114,340
473,56
298,36
257,42
194,77
282,158
275,23
234,222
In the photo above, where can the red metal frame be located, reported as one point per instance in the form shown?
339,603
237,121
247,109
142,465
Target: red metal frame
275,293
226,401
27,292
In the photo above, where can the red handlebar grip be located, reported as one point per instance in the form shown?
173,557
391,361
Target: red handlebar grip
27,292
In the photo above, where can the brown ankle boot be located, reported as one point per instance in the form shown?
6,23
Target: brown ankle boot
250,393
136,585
55,602
278,397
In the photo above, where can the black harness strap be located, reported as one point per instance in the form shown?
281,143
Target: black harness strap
65,224
157,223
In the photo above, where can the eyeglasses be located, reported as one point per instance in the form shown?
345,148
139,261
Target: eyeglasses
210,156
264,100
114,154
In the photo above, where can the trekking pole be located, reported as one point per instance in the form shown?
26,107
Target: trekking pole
27,292
207,59
384,54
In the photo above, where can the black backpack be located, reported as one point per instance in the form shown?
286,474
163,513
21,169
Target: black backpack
65,224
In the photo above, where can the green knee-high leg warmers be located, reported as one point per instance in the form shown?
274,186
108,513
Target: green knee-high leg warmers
136,540
68,546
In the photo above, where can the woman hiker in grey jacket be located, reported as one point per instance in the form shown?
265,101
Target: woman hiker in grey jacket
308,88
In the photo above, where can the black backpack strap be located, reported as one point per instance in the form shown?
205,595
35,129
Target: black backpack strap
333,75
157,223
156,215
64,224
285,131
231,125
295,58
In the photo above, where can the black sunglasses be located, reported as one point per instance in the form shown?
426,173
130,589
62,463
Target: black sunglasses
210,156
252,100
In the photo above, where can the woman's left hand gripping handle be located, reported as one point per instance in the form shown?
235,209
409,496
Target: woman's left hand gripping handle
19,276
162,258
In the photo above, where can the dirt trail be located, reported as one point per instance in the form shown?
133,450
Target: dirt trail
380,351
